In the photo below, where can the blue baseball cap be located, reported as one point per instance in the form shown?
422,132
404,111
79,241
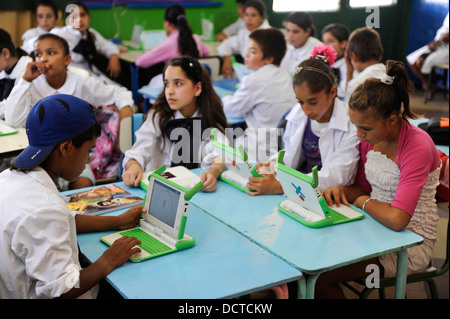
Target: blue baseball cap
52,120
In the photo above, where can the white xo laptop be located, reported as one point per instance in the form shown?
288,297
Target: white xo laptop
305,202
152,38
238,168
162,229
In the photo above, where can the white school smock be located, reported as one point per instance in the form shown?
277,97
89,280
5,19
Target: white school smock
73,36
152,150
38,246
377,70
30,36
25,95
341,66
339,146
16,73
263,97
238,44
294,57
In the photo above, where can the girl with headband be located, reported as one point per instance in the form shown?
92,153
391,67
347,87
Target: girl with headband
318,130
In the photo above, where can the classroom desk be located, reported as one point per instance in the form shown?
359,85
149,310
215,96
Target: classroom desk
311,250
11,145
222,264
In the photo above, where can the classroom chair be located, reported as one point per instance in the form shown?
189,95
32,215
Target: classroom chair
127,129
439,73
427,276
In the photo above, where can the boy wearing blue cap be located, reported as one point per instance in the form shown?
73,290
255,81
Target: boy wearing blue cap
38,250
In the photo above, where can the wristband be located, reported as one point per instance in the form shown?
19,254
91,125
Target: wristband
364,205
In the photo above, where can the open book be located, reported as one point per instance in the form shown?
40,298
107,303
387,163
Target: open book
101,200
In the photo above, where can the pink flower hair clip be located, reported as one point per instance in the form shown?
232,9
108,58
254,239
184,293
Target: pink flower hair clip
324,52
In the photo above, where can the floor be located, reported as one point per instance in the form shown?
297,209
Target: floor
437,107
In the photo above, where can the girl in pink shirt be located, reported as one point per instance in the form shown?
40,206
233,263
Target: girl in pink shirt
397,175
181,40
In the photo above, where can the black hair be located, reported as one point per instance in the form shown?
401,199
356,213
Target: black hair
381,99
272,43
176,15
339,31
317,75
258,5
7,43
303,20
47,3
58,39
209,103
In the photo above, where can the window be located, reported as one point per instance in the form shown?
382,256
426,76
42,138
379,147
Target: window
289,5
371,3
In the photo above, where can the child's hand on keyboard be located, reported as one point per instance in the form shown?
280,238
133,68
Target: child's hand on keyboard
130,218
119,252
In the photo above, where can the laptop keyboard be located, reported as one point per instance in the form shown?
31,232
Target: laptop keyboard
148,243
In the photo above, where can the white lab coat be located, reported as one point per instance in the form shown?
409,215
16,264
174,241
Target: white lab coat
339,146
16,73
25,95
238,44
30,36
373,71
294,57
39,253
263,97
152,150
73,36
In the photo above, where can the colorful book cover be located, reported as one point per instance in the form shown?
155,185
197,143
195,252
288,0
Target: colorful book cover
102,200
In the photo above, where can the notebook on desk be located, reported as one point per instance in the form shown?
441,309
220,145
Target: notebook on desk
162,229
305,202
238,168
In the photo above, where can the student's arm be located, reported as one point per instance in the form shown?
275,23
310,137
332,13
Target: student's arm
129,219
113,257
390,216
209,178
133,173
114,67
19,100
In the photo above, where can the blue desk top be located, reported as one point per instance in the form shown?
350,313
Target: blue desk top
312,250
222,264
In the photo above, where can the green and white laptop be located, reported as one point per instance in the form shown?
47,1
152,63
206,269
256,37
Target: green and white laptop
180,175
305,202
162,229
238,168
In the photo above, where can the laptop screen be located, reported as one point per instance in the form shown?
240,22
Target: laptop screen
164,203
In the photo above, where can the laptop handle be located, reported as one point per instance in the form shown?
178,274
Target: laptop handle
315,174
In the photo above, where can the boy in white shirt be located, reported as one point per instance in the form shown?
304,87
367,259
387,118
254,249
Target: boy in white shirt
254,18
264,95
38,249
364,54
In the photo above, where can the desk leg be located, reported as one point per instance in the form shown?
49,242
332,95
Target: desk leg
134,82
301,294
402,269
310,286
